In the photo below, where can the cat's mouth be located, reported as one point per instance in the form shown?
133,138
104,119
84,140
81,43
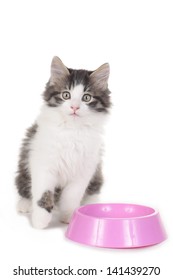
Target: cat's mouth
74,114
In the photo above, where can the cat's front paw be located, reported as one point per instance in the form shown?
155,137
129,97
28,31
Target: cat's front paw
24,205
65,217
40,218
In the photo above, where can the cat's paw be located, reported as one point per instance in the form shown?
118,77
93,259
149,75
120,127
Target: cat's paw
65,217
40,218
24,205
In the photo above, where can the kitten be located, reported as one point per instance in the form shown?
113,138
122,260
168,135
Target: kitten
60,159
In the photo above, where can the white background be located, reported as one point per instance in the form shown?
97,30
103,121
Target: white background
136,38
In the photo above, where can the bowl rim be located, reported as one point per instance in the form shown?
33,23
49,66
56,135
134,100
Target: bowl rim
154,213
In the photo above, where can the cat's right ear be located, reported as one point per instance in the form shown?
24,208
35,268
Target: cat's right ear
100,76
59,71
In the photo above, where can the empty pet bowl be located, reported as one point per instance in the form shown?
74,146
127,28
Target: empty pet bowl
116,226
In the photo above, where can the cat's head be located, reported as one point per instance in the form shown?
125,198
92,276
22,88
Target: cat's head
78,93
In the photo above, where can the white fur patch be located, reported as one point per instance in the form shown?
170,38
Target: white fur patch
24,205
40,218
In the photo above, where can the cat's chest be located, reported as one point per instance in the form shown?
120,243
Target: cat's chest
69,144
73,152
68,153
79,143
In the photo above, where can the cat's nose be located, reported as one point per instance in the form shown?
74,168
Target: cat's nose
74,108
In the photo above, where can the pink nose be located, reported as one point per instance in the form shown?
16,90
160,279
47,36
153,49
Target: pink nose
74,108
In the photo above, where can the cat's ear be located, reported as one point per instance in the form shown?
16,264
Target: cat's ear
59,71
100,76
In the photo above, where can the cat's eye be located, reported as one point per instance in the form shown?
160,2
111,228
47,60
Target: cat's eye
66,95
86,97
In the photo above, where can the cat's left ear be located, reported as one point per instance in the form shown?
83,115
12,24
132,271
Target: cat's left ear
59,71
100,76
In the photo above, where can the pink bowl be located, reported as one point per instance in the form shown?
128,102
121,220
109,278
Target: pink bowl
116,226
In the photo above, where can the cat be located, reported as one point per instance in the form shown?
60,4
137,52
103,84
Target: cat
60,158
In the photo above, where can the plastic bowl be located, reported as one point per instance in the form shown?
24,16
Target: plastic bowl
116,226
